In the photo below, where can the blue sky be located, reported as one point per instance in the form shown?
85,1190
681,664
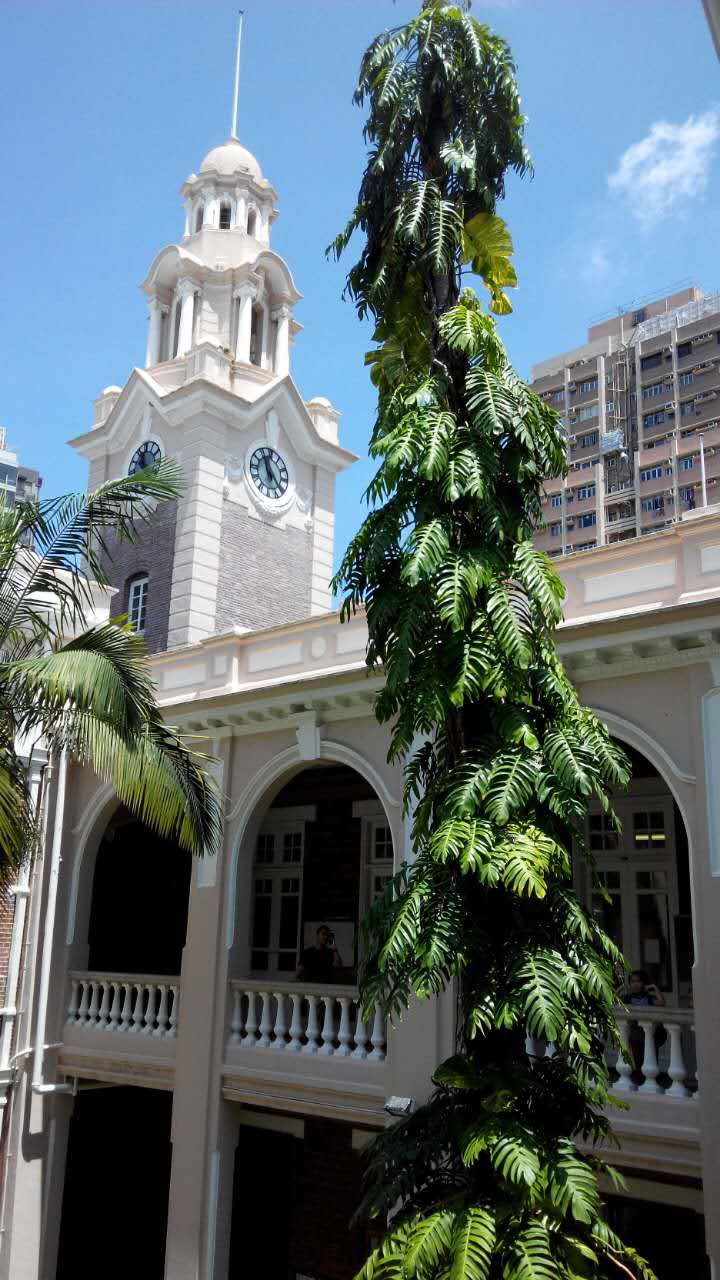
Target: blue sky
106,107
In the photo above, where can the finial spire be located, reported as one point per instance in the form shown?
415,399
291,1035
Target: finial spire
236,87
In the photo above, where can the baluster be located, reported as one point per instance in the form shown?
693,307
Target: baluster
251,1024
328,1027
115,1010
84,1001
676,1070
73,1005
344,1035
623,1067
280,1023
361,1033
265,1023
378,1037
174,1013
103,1016
650,1063
126,1011
312,1032
236,1024
162,1015
150,1010
94,1005
137,1018
296,1027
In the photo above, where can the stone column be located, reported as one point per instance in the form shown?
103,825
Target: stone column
188,210
246,294
186,293
204,1128
240,220
281,315
152,353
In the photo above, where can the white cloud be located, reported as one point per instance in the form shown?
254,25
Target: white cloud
660,175
595,265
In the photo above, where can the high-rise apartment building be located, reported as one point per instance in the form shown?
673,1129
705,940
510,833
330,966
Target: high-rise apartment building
17,483
641,408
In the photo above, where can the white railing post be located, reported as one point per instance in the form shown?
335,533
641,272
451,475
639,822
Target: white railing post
296,1026
280,1023
378,1036
103,1016
622,1066
328,1030
115,1008
361,1034
650,1066
73,1005
93,1010
150,1010
251,1025
265,1023
676,1069
137,1018
125,1012
174,1013
84,1001
162,1012
344,1035
236,1024
312,1032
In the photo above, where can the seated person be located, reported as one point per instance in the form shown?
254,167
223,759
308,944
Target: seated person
317,962
643,993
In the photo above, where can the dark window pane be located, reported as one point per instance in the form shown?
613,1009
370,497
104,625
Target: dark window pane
259,961
261,922
288,921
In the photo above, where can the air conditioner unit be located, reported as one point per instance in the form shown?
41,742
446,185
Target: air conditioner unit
572,386
670,405
704,337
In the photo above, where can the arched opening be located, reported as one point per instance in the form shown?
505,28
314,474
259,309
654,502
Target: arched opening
136,601
642,899
199,215
176,329
225,215
323,853
252,221
257,326
139,902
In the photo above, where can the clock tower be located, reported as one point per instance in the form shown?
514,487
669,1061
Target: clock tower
250,542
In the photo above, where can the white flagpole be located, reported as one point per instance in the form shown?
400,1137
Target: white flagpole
236,88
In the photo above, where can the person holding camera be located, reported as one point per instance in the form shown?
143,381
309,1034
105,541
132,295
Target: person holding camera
317,962
643,993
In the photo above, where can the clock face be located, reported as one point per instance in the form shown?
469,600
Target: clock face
268,472
144,456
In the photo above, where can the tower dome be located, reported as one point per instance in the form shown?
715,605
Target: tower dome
229,159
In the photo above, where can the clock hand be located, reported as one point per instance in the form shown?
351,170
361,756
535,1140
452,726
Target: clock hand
268,472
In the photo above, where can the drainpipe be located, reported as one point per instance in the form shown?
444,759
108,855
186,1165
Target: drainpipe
48,936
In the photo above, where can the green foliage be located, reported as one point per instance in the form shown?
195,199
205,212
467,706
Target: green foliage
501,761
87,689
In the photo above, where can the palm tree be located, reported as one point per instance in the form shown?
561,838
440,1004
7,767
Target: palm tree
82,688
485,1181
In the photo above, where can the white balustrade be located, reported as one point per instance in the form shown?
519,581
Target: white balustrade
119,1002
647,1067
657,1065
324,1020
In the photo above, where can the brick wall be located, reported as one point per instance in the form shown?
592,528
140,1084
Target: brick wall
7,915
153,554
265,572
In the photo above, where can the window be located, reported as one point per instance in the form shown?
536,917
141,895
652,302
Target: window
199,213
586,521
684,349
590,384
651,362
556,500
654,504
639,316
137,603
381,861
686,378
256,335
654,473
602,833
649,830
585,546
225,216
586,442
688,495
252,222
654,419
654,389
556,528
557,397
586,491
687,406
687,464
277,893
609,406
589,411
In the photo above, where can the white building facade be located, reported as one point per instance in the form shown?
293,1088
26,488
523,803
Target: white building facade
190,1100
